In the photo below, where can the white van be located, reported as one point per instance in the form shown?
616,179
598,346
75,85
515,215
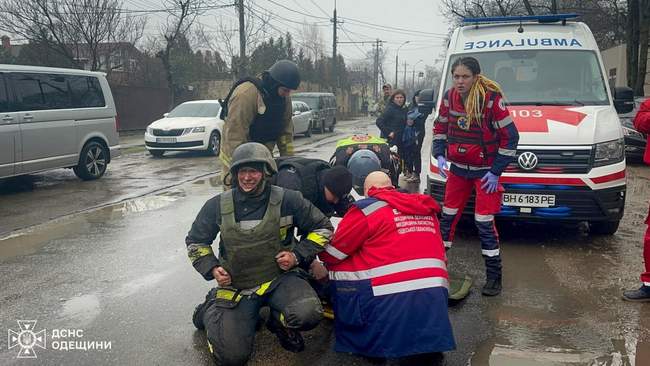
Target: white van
570,162
56,118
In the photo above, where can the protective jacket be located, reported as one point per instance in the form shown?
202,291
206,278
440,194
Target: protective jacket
642,124
388,271
252,213
256,116
306,176
474,149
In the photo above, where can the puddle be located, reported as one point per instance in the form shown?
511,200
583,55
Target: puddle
214,181
32,239
81,310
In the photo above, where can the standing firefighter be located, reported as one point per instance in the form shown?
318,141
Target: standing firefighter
259,263
475,132
260,111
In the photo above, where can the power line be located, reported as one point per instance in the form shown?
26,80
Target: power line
394,28
296,11
321,9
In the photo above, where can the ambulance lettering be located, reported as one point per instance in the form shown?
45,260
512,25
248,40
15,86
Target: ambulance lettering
535,119
522,42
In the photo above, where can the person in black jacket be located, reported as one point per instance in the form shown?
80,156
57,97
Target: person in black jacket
419,120
391,123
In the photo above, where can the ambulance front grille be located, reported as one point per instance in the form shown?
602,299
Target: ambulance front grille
558,161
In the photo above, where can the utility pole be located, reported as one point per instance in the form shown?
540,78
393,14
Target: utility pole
404,83
375,88
242,40
335,78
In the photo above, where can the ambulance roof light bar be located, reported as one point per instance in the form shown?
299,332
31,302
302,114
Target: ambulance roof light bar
549,18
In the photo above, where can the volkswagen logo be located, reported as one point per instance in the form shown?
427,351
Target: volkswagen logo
527,160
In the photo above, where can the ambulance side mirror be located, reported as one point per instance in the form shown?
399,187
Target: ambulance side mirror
623,99
427,102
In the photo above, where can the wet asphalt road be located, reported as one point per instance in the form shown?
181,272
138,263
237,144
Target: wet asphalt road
119,272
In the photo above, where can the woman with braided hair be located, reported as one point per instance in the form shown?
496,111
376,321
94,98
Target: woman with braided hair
475,133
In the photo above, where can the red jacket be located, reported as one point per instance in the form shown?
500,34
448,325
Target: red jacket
492,145
642,124
392,239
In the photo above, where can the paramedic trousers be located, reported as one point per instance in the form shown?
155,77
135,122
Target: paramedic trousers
645,276
457,191
231,329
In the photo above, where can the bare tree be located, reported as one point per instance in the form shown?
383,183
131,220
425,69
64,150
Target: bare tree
75,29
226,39
180,18
313,41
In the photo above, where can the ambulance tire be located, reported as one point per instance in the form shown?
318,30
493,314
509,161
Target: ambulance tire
604,227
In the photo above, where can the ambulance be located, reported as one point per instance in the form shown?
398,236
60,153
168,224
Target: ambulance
570,163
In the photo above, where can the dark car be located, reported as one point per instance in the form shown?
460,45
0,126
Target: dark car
635,141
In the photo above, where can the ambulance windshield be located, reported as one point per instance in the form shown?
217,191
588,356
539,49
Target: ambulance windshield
543,77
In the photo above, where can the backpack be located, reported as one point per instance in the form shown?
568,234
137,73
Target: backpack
224,102
308,170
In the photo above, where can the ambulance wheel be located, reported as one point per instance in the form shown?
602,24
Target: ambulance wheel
604,227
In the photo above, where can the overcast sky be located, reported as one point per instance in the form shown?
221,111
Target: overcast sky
417,21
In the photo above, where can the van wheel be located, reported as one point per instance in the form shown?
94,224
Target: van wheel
322,127
308,132
603,227
331,128
215,144
92,161
157,153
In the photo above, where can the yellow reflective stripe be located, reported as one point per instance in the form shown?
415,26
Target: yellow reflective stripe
226,294
263,288
195,252
318,239
282,320
210,347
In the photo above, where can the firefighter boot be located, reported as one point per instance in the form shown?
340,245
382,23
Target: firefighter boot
290,339
199,311
640,295
492,287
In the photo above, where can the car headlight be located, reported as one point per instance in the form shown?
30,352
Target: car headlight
198,129
609,152
149,131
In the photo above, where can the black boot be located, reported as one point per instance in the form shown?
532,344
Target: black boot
492,287
290,339
640,295
199,310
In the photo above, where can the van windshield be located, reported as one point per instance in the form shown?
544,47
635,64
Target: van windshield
195,110
543,77
312,102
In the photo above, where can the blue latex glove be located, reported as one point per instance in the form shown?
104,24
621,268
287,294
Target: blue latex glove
442,164
490,182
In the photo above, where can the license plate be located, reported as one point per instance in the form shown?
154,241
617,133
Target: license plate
528,200
166,139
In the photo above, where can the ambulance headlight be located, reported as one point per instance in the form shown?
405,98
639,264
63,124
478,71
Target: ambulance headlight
610,152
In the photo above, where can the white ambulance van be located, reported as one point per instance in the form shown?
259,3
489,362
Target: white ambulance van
570,163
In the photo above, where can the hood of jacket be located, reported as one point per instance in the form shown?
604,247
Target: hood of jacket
407,203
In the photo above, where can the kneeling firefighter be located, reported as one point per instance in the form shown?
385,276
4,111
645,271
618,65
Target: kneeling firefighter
259,262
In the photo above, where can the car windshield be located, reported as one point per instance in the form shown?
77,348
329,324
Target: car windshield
195,110
312,102
544,77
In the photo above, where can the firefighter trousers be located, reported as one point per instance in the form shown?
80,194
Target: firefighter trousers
457,192
231,329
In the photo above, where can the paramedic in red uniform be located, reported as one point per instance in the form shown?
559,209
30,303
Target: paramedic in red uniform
642,124
388,275
475,133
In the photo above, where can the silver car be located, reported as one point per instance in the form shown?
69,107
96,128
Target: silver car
301,119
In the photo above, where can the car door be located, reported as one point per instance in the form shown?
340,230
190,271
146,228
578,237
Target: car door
9,132
47,125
